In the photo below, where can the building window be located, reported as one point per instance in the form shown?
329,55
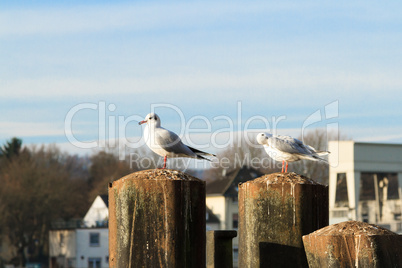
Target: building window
235,199
381,186
341,195
94,262
235,254
94,240
61,237
367,189
235,218
389,181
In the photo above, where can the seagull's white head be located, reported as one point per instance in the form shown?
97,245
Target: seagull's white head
151,119
262,138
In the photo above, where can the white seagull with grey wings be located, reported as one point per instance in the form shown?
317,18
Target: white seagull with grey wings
288,149
166,143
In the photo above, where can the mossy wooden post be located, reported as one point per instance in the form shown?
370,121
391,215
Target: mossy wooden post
275,211
157,219
353,244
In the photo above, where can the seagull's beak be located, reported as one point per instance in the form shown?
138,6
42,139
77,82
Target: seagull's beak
142,122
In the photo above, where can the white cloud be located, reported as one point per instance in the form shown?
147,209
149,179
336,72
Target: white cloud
375,133
382,138
181,14
143,16
29,129
287,82
285,69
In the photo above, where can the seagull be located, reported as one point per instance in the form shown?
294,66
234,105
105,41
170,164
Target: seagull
166,143
288,149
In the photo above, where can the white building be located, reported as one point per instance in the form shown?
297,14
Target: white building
365,181
83,247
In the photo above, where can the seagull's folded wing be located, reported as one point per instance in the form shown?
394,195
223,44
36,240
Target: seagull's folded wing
170,142
287,144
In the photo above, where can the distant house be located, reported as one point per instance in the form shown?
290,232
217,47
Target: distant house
98,213
222,198
365,183
86,246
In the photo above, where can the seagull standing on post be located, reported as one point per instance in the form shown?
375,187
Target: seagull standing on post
166,143
288,149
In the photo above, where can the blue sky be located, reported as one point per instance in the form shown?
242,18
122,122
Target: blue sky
282,58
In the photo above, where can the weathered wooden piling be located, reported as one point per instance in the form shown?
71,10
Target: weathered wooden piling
157,219
219,248
275,211
353,244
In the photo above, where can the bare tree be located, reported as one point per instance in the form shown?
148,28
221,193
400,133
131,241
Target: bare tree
316,170
105,167
244,151
36,189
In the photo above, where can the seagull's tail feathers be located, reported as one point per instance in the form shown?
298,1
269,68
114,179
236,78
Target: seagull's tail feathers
314,157
322,153
204,158
317,152
201,154
320,159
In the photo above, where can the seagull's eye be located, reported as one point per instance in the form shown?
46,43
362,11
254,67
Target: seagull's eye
150,118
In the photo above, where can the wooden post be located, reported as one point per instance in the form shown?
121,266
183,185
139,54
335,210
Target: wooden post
219,248
377,199
353,244
157,219
275,211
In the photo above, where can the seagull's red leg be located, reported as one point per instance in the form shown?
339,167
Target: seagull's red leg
283,163
164,162
286,170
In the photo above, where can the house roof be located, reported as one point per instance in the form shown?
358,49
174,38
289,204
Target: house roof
227,185
211,217
219,186
105,199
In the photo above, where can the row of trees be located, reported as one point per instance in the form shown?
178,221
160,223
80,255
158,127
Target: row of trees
39,185
42,184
